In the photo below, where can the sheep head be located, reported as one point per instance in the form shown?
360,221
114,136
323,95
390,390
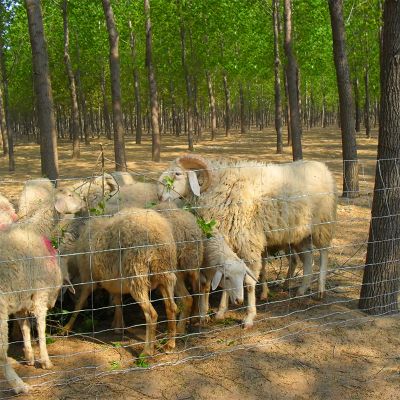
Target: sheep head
189,174
230,276
68,202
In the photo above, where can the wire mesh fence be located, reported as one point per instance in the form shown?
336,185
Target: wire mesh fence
153,285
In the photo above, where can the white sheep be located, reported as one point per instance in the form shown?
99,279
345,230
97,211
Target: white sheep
260,205
7,213
30,279
201,260
131,252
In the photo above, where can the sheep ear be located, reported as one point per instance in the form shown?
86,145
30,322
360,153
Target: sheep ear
250,273
216,280
194,183
60,206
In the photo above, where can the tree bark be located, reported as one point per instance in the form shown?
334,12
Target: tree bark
277,86
347,123
136,82
357,104
292,81
211,97
380,288
155,127
72,87
113,37
44,97
227,104
242,109
367,106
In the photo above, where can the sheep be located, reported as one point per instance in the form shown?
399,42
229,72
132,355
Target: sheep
260,205
30,279
7,213
201,260
130,252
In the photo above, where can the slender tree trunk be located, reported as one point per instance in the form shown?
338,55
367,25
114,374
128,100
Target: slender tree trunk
380,289
347,123
367,118
136,82
81,96
242,110
72,87
189,107
357,104
44,97
3,127
113,37
106,114
227,105
155,127
277,63
292,81
287,110
213,118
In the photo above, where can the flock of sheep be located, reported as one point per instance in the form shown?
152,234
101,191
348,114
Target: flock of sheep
108,237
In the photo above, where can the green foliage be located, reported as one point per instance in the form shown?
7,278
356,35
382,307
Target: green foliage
168,183
100,209
50,340
142,361
206,227
114,365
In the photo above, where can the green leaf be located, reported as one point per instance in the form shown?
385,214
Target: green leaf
142,361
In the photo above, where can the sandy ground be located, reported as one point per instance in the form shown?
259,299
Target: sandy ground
298,348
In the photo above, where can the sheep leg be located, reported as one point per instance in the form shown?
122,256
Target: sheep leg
251,302
323,254
26,334
40,314
150,314
11,376
292,259
307,259
223,305
118,321
204,302
167,292
185,299
84,294
263,280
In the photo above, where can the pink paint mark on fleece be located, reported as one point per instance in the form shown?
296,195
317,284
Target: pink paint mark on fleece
49,246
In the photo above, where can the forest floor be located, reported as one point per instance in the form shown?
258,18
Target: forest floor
298,349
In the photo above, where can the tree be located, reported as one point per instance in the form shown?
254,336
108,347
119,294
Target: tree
292,80
347,110
119,141
380,288
277,86
43,92
155,149
72,86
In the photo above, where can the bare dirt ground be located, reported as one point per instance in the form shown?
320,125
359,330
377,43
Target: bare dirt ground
298,348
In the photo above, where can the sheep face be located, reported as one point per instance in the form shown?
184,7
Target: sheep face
177,183
68,202
230,276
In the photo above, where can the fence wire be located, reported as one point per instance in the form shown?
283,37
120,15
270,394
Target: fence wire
94,347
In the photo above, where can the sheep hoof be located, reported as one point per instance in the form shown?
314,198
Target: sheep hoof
220,315
47,364
21,387
248,322
321,295
30,362
300,291
205,320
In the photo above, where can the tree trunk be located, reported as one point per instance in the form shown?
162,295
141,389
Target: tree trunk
227,105
136,82
292,82
44,97
72,87
187,83
277,87
380,288
113,37
242,110
155,127
357,104
347,123
213,118
367,118
106,115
